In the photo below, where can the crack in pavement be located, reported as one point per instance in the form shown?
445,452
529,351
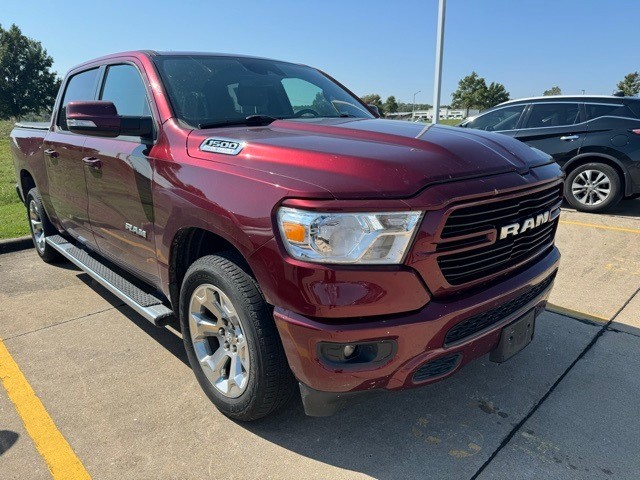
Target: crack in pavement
604,328
62,323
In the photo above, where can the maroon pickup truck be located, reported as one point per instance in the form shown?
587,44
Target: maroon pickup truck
295,236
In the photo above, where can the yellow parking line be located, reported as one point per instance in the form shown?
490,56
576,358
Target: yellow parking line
576,314
53,447
603,227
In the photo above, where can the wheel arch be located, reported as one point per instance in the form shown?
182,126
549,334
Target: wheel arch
27,182
613,162
188,245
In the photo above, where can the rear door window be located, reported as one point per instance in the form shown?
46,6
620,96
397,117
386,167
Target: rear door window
501,119
81,87
553,115
123,86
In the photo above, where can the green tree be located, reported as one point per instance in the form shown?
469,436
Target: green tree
552,91
373,99
27,84
630,85
322,106
495,94
471,93
391,106
406,107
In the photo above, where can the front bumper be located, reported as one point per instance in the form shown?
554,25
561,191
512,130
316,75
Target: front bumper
419,336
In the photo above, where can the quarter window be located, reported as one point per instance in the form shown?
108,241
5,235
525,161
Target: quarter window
123,86
501,119
602,110
553,115
81,87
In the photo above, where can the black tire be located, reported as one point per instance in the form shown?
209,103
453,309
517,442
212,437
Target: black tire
40,232
270,383
574,197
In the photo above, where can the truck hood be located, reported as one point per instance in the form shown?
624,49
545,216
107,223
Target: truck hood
369,158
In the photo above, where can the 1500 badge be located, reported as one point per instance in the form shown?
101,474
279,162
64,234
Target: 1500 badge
225,146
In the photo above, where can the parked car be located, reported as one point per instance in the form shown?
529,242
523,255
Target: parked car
294,235
595,139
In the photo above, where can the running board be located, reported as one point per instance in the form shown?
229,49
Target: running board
146,304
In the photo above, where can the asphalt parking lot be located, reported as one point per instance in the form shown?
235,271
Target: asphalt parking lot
123,402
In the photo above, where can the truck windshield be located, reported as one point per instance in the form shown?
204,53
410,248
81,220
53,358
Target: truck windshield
208,91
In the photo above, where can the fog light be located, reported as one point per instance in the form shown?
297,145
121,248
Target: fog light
344,354
348,350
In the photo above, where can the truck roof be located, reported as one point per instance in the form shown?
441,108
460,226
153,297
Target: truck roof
155,53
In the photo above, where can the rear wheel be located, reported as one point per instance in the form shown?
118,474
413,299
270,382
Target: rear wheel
231,339
40,227
593,187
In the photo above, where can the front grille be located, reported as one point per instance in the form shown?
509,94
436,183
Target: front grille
490,215
470,265
481,321
437,368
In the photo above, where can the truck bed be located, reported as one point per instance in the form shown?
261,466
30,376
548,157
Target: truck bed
26,146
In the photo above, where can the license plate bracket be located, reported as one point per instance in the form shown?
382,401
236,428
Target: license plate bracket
514,337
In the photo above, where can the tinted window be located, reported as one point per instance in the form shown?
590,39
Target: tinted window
553,115
601,110
213,90
81,87
501,119
304,96
123,86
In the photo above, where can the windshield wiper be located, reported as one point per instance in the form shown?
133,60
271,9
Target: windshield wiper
249,120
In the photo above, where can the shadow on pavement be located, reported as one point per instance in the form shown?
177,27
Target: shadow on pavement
626,208
445,430
168,337
8,438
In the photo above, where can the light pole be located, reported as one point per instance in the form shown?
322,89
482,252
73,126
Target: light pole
442,4
413,105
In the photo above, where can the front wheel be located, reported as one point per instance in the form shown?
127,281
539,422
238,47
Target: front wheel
231,339
40,227
593,187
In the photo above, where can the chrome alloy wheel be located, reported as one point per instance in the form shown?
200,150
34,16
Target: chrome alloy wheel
591,187
37,229
218,340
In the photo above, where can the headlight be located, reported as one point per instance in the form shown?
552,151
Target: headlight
373,238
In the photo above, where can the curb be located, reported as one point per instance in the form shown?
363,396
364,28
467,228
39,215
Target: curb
582,316
15,244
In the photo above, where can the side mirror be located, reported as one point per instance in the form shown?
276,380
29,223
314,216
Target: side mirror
374,109
101,119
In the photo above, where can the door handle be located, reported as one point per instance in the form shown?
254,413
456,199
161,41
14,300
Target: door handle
92,162
570,138
50,152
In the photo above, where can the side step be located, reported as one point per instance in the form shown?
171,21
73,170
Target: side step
144,303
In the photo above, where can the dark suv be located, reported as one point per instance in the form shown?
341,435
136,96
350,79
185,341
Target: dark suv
595,139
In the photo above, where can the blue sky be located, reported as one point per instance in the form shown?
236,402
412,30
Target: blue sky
372,46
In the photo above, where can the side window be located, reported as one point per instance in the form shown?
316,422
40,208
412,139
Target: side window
601,110
501,119
303,95
81,87
553,115
123,86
